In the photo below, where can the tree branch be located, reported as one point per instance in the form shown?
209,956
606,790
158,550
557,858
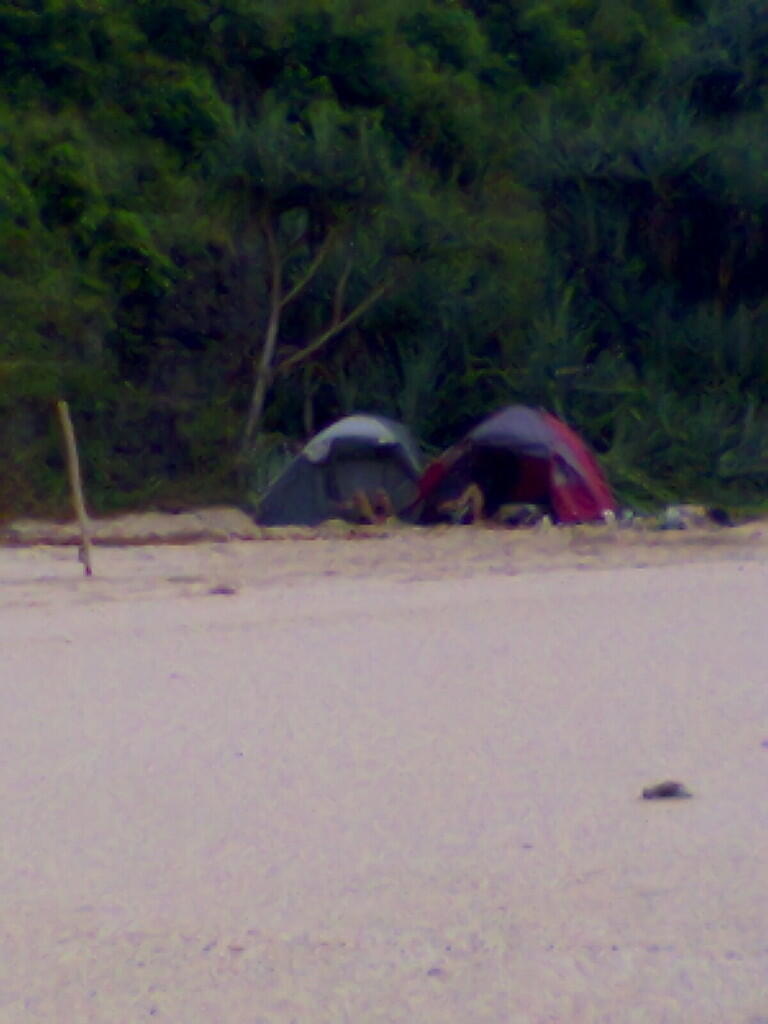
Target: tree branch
263,368
335,328
311,270
340,293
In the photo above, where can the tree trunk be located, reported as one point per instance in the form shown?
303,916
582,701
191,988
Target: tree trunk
263,375
264,369
278,300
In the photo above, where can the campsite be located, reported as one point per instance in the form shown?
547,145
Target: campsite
383,511
373,748
349,761
515,456
390,754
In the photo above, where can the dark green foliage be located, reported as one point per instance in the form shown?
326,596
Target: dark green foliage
425,208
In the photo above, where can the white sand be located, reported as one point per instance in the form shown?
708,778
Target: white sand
379,787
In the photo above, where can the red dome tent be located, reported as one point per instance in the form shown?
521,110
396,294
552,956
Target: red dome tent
520,455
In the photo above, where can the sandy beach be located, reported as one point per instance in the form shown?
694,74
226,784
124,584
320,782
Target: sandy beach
385,776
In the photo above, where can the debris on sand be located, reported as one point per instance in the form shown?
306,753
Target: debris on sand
667,790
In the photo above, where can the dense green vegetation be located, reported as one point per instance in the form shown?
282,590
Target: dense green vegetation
221,222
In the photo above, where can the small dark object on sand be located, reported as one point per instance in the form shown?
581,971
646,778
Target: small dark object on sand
720,516
668,790
223,588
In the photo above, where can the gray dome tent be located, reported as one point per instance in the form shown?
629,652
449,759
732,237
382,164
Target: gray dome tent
359,453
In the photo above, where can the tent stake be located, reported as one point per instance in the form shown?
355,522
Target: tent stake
76,486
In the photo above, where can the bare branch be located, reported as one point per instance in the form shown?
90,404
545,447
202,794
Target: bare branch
335,327
275,295
340,293
311,270
263,368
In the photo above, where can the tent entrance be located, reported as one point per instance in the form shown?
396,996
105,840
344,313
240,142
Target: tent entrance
507,477
375,470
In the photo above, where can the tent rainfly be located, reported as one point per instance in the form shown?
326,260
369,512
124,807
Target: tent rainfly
520,455
360,455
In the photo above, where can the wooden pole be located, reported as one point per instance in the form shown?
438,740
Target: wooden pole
76,486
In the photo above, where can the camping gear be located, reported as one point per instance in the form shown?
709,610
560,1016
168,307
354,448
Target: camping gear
519,455
359,462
